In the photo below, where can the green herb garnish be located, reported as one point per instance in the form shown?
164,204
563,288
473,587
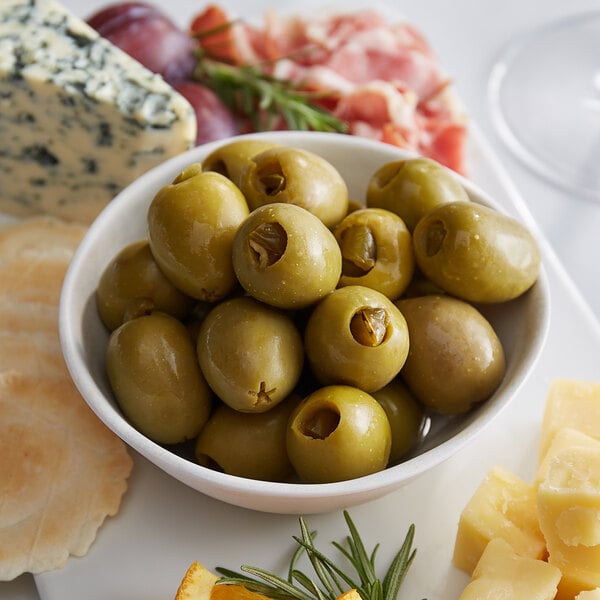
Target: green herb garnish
248,91
331,580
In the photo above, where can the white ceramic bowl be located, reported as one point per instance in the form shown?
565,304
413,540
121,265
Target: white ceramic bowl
521,326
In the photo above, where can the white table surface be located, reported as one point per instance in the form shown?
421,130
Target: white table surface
467,36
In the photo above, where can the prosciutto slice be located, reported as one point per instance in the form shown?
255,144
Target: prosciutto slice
383,80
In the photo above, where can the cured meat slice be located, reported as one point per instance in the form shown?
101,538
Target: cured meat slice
382,79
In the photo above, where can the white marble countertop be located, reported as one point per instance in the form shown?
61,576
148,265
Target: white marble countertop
468,37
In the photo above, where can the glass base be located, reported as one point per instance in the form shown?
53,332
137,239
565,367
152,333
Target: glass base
545,100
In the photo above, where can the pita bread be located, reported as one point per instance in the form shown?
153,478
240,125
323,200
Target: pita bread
28,317
62,472
32,277
36,353
42,234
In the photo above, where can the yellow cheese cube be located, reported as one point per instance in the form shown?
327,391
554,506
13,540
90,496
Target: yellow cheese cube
564,439
569,514
501,573
503,506
571,403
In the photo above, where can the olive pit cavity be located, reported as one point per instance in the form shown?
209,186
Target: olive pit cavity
271,178
434,237
385,176
320,424
267,243
369,326
359,250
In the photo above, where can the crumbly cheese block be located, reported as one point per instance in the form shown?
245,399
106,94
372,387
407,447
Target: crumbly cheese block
570,403
503,506
503,574
569,515
79,119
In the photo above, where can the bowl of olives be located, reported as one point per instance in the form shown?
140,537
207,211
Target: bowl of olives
297,322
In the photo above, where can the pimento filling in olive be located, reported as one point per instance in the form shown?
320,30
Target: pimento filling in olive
359,250
320,424
369,326
267,242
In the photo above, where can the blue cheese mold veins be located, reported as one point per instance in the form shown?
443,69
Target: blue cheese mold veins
79,119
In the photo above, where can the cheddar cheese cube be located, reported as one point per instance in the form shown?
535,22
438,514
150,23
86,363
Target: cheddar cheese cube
503,506
570,403
568,502
502,573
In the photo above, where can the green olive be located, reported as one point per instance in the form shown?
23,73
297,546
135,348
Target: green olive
406,416
132,285
356,336
250,353
338,433
154,374
377,251
299,177
232,158
247,444
476,253
285,256
191,225
455,360
411,188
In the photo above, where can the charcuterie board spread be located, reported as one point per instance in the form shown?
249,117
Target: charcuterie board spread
86,109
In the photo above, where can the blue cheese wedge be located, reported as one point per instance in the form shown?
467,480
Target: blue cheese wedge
79,118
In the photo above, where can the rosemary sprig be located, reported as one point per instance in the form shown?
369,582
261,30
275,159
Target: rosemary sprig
262,98
250,92
331,580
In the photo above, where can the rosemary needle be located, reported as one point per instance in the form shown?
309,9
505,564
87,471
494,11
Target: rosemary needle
331,579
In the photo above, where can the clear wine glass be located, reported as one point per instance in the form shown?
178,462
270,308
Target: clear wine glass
545,98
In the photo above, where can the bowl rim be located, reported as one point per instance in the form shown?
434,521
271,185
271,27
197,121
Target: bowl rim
191,473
